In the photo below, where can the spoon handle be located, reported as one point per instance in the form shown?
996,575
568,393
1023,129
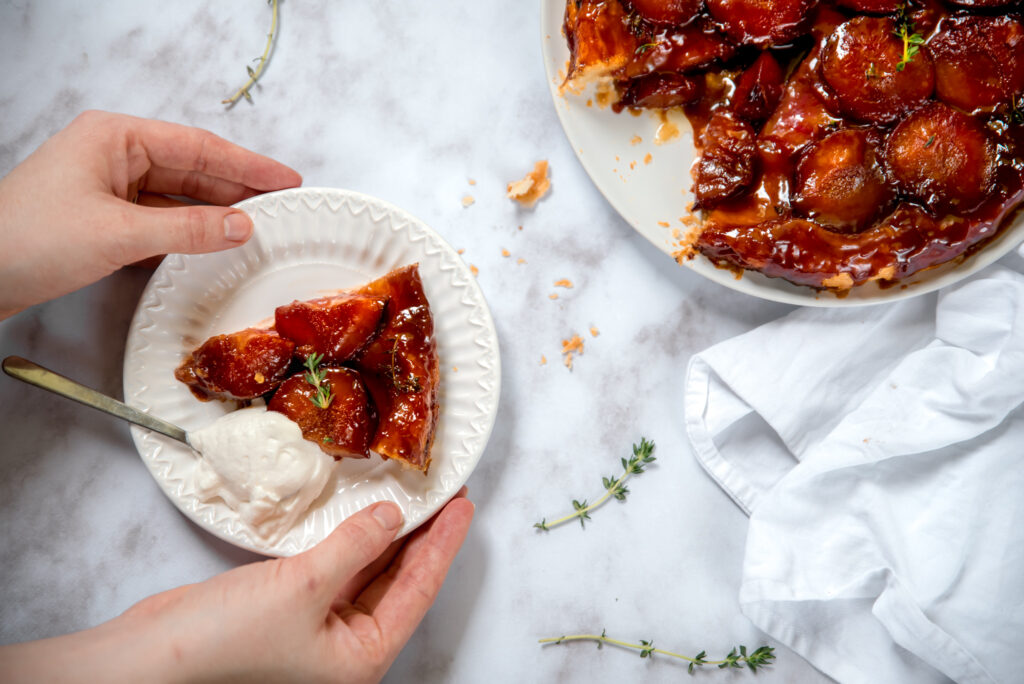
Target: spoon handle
34,374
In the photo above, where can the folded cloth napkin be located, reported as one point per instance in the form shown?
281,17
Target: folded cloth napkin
879,452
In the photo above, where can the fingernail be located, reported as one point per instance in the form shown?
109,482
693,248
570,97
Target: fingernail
388,515
237,226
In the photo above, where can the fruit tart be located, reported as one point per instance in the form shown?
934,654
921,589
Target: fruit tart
840,142
357,371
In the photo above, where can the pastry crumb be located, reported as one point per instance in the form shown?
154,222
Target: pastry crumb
474,270
455,369
648,158
632,165
460,251
543,360
571,348
468,200
520,260
553,295
594,332
636,140
564,282
520,227
663,224
505,252
472,181
533,187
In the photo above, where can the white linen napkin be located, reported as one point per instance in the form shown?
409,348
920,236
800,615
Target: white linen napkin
879,452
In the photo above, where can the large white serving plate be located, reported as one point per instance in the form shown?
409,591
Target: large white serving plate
651,195
309,242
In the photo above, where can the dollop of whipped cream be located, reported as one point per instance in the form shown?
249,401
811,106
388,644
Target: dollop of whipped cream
257,462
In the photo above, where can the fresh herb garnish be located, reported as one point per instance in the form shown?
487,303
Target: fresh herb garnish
912,40
871,72
737,657
930,141
316,377
644,48
613,488
254,74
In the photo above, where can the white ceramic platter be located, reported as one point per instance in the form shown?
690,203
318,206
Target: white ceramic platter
653,196
310,242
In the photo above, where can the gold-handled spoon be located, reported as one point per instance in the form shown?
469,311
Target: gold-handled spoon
34,374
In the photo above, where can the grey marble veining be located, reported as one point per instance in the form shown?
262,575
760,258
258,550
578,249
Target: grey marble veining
408,102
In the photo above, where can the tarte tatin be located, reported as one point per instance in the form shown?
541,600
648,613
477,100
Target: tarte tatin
840,142
357,371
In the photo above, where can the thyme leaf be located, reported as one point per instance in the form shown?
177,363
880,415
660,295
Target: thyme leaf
912,40
316,377
254,74
737,657
612,487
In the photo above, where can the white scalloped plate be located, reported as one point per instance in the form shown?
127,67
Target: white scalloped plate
652,197
309,242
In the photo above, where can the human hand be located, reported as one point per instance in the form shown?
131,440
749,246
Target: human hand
83,204
339,612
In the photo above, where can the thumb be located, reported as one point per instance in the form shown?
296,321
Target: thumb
186,230
353,545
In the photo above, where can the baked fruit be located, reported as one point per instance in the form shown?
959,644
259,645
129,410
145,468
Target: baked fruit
357,372
340,418
241,365
401,370
839,143
336,328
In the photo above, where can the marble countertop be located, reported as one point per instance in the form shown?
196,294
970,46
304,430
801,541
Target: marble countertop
407,102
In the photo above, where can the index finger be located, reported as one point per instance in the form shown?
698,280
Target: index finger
184,148
400,598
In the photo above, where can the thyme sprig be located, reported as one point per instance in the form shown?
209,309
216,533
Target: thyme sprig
912,41
613,488
316,377
737,657
254,74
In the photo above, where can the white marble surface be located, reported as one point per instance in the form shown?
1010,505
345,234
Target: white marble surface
405,101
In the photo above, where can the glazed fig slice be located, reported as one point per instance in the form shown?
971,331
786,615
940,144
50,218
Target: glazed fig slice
671,12
758,89
863,63
943,158
336,328
761,22
726,164
341,419
840,183
401,370
659,91
979,61
240,365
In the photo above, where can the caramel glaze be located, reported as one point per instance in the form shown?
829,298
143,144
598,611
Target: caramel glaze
758,228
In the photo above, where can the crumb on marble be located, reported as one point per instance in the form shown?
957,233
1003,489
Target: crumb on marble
664,224
460,250
571,348
467,200
648,158
472,181
520,260
543,360
533,187
636,140
553,295
564,282
474,270
505,252
594,332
